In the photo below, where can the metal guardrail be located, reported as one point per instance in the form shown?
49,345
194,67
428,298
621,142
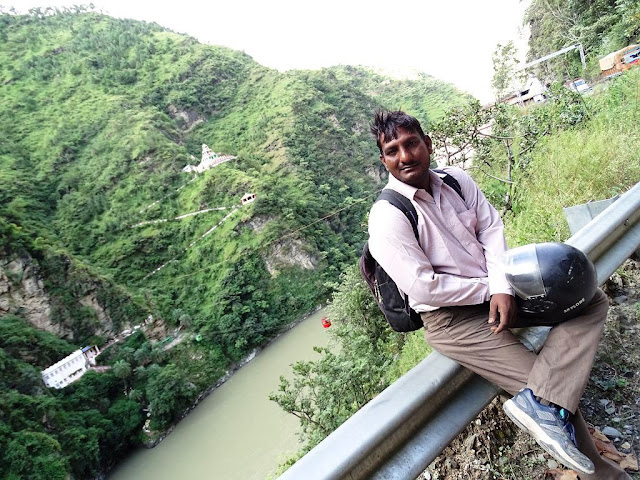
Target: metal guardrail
611,237
401,431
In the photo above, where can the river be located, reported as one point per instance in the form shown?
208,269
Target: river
236,433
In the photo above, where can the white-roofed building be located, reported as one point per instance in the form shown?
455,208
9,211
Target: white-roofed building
248,198
70,368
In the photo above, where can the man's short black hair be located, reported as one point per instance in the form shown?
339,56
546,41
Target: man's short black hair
387,123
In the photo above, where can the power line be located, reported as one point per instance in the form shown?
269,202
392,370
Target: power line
365,197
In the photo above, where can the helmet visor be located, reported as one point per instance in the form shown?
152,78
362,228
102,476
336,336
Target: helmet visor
522,270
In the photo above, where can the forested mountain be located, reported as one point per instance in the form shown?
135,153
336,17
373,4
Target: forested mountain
99,116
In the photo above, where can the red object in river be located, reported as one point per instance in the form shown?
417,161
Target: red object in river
325,322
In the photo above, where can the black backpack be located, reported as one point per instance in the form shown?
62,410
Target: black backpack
400,316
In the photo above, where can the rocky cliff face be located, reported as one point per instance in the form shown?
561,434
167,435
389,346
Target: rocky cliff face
289,253
23,293
284,253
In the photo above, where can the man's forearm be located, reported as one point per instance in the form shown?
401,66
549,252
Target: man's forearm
443,290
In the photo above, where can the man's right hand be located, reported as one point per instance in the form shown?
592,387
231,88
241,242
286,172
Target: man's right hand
502,307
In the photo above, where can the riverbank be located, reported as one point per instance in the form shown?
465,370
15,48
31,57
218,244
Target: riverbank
236,431
153,438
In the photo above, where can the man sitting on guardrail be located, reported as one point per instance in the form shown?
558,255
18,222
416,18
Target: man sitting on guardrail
452,276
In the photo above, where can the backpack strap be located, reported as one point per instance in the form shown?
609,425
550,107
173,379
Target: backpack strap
450,180
403,204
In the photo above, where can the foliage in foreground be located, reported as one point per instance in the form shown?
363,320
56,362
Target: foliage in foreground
598,159
362,359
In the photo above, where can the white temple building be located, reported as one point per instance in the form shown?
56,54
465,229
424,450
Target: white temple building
209,160
70,368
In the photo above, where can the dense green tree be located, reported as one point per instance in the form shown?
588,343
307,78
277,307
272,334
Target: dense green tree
506,76
18,337
135,395
244,320
158,354
122,370
168,394
81,442
326,392
126,418
142,355
353,308
34,455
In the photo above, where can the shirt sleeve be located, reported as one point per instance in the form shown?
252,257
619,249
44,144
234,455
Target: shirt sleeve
489,232
393,244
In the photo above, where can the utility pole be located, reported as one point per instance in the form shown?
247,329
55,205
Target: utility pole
559,52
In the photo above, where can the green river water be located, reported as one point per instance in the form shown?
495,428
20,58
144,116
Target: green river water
235,433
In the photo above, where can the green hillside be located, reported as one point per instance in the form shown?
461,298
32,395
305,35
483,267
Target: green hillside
99,116
601,27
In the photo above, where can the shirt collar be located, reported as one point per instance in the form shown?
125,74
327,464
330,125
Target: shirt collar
409,191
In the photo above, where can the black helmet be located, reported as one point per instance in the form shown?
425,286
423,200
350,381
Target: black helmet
553,281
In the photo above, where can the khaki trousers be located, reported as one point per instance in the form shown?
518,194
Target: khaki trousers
558,373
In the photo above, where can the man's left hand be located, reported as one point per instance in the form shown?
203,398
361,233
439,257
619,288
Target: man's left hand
502,308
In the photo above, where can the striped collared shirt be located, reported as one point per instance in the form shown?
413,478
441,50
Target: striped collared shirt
456,260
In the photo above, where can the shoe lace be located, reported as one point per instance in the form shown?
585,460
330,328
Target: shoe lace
565,416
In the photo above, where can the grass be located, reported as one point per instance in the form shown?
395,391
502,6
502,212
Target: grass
597,160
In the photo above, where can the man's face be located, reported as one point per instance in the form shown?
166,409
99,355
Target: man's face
408,157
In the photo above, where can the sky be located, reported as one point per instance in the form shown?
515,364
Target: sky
452,40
